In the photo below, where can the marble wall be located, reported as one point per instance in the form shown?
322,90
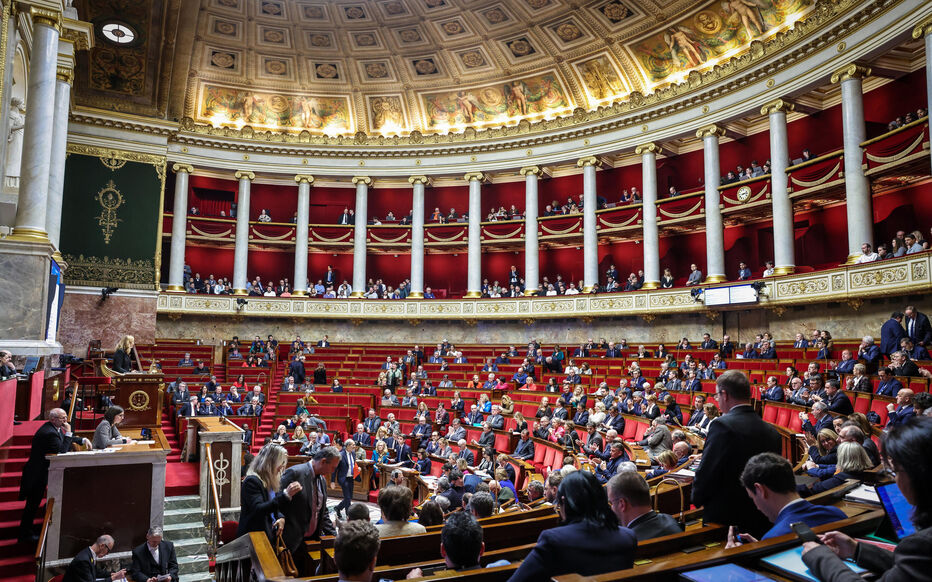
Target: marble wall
841,319
23,291
85,317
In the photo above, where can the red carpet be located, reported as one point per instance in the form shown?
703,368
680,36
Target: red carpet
181,479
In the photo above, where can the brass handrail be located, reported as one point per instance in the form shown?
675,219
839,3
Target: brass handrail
213,519
43,538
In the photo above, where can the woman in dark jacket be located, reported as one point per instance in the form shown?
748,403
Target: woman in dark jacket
122,357
853,463
260,498
905,450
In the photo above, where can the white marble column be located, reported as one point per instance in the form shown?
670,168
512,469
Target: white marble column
714,229
924,30
858,200
651,243
784,252
531,252
63,79
179,227
418,183
37,134
241,250
474,260
301,231
359,235
590,228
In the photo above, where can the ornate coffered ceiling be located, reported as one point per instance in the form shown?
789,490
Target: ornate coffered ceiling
390,67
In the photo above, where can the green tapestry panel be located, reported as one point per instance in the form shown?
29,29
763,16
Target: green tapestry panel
111,215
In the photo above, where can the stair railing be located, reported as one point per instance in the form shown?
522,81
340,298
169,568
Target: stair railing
213,519
43,541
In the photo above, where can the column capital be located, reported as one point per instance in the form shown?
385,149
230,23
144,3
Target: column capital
777,106
850,71
65,74
362,180
587,161
45,16
923,29
710,131
187,168
419,180
531,170
478,176
245,174
304,179
648,148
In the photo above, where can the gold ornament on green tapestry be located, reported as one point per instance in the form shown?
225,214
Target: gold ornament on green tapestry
110,200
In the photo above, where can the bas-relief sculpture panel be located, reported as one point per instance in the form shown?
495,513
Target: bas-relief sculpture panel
86,317
563,331
717,29
275,110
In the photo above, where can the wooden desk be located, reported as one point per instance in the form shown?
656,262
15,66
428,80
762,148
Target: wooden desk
119,490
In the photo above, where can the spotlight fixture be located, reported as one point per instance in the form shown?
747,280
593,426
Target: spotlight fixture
240,302
758,286
697,294
107,292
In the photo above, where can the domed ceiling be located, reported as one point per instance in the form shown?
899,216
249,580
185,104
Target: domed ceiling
390,67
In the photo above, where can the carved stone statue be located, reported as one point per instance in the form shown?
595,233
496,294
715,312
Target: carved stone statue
14,150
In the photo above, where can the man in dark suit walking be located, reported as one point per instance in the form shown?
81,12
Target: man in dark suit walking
154,558
53,438
918,327
296,370
891,332
735,437
346,476
306,514
83,568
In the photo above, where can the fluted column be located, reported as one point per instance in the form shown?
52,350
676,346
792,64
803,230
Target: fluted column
648,153
179,227
474,260
714,229
418,183
590,232
531,253
857,188
241,250
784,252
300,240
359,235
32,205
924,30
63,78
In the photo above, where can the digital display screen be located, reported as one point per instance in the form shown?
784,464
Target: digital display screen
734,295
898,509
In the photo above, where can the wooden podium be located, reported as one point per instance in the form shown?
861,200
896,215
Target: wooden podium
139,393
226,444
119,491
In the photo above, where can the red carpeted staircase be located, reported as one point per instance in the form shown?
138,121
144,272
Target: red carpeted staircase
17,563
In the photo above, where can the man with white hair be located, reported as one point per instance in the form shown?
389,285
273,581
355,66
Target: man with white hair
822,419
495,419
154,558
83,568
869,352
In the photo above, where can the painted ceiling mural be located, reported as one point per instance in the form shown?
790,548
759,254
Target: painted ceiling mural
394,66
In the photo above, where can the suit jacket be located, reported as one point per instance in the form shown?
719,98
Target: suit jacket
709,345
296,369
775,394
654,525
403,455
372,424
48,440
496,421
83,568
890,387
900,415
840,403
733,439
144,567
524,450
921,329
475,417
299,511
422,430
578,548
811,515
122,362
105,435
468,455
890,335
343,468
613,353
696,418
824,422
911,560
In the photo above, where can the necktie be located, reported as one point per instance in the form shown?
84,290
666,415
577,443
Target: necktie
912,323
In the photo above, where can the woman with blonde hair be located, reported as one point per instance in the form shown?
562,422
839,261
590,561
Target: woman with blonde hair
667,461
710,412
260,506
463,466
853,463
123,355
507,405
520,422
443,448
298,435
860,382
422,410
597,414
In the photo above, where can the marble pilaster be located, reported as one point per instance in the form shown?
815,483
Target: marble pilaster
590,232
179,227
301,234
474,259
784,252
648,153
362,184
241,248
531,251
714,227
418,184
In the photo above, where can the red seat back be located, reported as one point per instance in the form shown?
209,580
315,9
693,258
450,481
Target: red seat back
549,454
783,416
630,430
501,442
641,429
795,425
770,413
862,404
879,406
539,452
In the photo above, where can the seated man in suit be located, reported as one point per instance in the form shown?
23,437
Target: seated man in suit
190,407
769,481
154,558
903,409
465,453
772,391
912,351
83,568
657,438
767,351
822,419
629,498
607,468
835,399
888,385
524,450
